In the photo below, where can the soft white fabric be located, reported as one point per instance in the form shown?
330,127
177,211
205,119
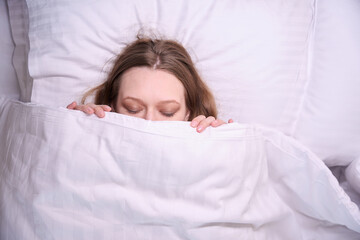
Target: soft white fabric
329,122
8,81
65,175
19,22
352,174
291,65
253,54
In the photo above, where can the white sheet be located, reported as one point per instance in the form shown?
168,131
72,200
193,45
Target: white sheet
8,81
65,175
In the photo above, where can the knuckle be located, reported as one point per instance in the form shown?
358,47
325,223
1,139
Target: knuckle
98,109
105,107
211,118
90,105
204,124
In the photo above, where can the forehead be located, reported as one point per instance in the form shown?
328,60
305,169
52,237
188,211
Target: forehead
152,84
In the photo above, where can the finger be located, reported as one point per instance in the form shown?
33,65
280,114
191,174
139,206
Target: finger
230,121
72,105
205,123
217,122
99,111
85,108
195,122
106,108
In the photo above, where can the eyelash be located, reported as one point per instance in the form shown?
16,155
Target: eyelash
168,114
132,112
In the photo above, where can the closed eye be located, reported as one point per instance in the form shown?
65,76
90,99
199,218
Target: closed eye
168,114
132,111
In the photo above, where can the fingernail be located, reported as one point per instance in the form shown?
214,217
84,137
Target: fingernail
199,129
194,124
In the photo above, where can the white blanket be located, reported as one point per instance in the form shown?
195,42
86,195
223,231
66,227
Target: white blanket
65,175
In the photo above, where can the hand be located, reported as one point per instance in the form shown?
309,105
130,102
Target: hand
201,122
90,108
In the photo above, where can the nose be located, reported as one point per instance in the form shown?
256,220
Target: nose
149,115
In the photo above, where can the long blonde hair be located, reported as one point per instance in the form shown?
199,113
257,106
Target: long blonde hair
161,54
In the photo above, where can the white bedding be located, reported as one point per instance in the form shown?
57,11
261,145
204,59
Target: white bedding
289,65
65,175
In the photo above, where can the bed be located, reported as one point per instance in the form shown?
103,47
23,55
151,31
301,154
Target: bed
288,168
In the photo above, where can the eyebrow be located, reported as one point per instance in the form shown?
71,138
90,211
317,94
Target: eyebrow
161,102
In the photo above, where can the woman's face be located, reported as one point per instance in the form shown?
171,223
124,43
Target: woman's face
152,95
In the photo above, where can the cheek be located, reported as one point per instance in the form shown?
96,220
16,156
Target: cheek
182,115
116,105
121,110
187,115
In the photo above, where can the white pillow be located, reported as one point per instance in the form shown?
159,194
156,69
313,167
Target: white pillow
8,80
251,53
329,122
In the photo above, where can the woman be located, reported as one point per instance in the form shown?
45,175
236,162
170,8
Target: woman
155,80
